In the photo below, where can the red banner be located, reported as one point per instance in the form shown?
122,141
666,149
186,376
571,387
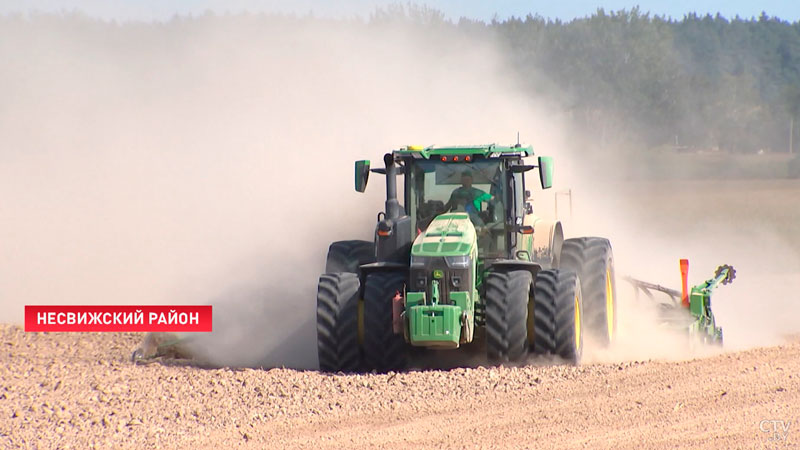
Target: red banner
116,318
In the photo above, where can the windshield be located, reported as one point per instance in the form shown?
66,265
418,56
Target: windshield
477,188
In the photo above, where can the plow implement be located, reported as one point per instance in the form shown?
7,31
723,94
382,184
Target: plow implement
687,310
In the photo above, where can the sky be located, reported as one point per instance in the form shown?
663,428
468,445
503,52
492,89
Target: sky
475,9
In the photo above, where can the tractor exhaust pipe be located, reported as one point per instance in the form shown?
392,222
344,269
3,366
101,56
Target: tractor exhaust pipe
392,205
393,233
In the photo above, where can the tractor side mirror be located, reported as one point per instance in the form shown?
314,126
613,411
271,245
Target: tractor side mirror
362,175
521,168
546,171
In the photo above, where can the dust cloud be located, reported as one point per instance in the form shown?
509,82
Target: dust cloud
210,159
652,225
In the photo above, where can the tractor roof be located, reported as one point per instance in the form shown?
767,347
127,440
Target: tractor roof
488,151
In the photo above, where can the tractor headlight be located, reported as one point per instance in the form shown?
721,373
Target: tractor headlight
420,262
457,262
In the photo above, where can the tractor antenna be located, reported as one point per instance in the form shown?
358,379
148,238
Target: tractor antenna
517,146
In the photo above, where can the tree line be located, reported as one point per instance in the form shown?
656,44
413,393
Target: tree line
702,82
699,82
628,77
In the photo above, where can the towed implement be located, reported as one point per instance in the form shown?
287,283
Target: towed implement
463,260
688,310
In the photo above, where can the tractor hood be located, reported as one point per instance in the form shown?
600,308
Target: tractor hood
450,234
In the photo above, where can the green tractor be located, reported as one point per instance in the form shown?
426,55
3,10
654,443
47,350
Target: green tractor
462,261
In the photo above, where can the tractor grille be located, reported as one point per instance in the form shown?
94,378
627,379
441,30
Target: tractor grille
453,280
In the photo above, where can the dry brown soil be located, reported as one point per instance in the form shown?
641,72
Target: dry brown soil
80,391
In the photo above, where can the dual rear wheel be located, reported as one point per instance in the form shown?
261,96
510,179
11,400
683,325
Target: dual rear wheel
592,259
355,335
544,315
556,310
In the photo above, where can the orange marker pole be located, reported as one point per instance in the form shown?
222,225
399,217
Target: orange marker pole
685,282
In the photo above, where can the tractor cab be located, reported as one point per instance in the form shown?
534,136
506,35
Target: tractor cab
485,182
481,189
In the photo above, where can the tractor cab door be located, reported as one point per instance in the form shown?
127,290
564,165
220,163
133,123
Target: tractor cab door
520,214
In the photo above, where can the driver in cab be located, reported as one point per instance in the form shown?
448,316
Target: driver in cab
467,198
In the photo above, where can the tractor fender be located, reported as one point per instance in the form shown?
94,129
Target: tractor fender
548,237
515,264
366,270
383,266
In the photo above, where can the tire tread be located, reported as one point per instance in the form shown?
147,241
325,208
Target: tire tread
383,350
337,322
507,296
589,257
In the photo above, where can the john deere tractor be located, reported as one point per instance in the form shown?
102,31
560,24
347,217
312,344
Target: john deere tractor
462,260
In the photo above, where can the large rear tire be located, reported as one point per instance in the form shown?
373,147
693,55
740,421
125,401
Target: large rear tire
593,260
544,324
383,350
346,256
558,315
507,295
337,322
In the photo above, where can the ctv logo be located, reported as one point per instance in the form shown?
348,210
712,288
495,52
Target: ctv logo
778,429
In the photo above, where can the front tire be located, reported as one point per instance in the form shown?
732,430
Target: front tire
383,350
337,322
558,315
507,295
593,260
